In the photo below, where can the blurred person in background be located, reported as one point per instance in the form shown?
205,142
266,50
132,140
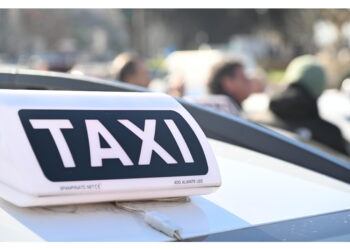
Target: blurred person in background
228,78
295,108
129,68
58,62
228,87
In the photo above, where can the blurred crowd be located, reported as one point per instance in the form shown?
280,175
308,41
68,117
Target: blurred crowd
292,109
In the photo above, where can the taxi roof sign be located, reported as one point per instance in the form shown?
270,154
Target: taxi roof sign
60,147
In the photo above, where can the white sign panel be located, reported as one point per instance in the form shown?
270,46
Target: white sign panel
98,146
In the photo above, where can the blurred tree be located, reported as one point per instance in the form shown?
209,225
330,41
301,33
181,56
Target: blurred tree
30,31
152,31
294,26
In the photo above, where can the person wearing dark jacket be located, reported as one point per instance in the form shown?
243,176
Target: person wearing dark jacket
295,108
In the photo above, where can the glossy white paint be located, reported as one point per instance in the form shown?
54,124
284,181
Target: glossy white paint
261,189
